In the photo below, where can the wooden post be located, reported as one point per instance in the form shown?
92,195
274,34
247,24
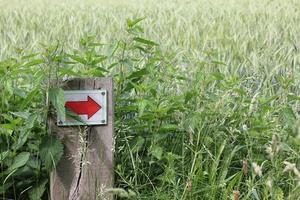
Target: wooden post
86,170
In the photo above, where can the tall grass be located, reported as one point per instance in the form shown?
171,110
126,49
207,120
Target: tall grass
209,113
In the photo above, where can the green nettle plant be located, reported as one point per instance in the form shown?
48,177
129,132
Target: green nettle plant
197,134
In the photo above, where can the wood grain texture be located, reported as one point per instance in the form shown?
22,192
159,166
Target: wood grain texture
86,169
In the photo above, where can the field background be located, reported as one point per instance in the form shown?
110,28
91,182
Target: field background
236,31
224,119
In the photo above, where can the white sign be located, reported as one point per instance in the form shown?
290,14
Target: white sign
89,105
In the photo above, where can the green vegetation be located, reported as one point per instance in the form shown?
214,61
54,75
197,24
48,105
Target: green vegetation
207,94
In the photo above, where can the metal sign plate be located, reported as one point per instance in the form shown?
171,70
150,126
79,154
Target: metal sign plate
89,105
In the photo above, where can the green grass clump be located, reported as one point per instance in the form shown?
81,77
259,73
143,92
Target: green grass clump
207,94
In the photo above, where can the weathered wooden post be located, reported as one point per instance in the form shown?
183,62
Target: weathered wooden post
85,171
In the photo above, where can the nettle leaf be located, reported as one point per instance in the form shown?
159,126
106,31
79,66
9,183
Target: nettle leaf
98,60
133,22
29,56
37,192
111,49
5,187
279,193
23,115
73,115
57,98
3,155
144,41
218,76
157,152
169,127
255,194
6,129
142,105
139,144
289,116
30,121
19,92
20,160
138,74
34,163
119,192
294,97
34,62
22,139
78,59
51,150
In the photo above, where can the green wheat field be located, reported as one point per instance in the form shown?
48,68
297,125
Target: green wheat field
207,94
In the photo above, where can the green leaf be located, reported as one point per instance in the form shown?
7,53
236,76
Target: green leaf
98,60
255,194
67,71
34,62
157,152
29,98
139,144
78,59
29,56
144,41
21,140
142,105
169,127
6,129
20,160
138,74
218,62
293,97
131,23
3,155
119,192
34,163
112,48
289,116
5,187
51,150
112,65
218,76
37,192
30,121
73,115
57,98
19,92
23,115
279,194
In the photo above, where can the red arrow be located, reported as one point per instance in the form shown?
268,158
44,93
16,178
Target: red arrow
89,107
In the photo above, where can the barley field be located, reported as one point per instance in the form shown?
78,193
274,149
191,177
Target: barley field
207,94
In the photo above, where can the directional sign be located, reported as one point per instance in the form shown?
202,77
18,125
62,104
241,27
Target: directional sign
89,105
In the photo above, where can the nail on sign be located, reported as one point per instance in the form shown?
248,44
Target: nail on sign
89,105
